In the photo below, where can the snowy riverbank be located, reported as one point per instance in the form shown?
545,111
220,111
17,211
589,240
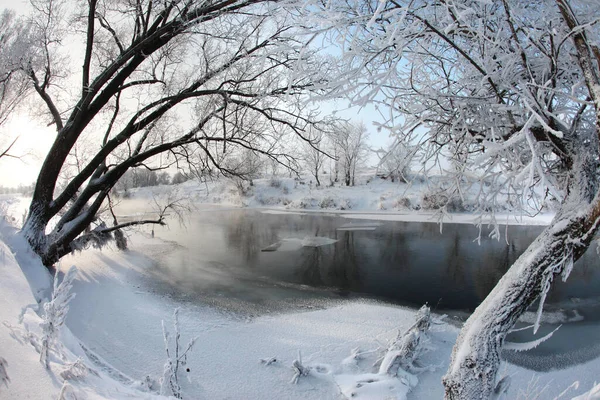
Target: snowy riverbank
372,198
114,322
120,321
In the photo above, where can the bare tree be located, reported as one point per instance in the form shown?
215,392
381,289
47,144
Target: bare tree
314,155
159,78
509,93
351,142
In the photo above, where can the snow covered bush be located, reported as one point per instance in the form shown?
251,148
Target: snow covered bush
275,182
403,203
264,200
176,359
305,202
432,200
327,202
55,313
75,370
344,204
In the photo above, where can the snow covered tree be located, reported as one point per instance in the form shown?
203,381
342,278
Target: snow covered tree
157,78
352,148
15,40
509,92
313,153
15,37
395,162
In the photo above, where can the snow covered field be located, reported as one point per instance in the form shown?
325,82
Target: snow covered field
114,326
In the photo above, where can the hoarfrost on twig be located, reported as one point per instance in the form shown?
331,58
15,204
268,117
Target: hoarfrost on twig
299,369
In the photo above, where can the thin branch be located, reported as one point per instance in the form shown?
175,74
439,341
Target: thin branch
85,78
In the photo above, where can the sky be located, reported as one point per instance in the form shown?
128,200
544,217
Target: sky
35,138
33,141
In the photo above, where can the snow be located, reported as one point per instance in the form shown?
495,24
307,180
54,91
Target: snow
20,331
123,326
114,324
226,361
293,244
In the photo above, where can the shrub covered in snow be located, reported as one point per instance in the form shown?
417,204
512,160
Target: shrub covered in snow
327,202
402,203
176,359
437,201
55,313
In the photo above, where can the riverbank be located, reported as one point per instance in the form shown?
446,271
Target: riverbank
372,198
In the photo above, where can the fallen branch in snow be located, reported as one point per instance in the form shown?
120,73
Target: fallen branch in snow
529,345
76,370
395,376
268,361
299,369
4,379
405,349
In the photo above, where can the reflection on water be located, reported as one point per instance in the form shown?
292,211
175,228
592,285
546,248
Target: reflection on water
403,262
219,259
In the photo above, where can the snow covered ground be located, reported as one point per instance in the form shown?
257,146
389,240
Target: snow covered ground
114,326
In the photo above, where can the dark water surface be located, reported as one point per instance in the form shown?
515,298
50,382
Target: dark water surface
401,262
219,256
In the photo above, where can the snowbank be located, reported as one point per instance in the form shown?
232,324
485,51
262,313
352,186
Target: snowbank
28,378
70,373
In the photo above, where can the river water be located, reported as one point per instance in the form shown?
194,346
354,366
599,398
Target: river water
258,262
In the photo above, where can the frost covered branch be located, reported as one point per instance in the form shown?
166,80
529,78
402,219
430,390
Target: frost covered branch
402,353
55,313
176,359
300,370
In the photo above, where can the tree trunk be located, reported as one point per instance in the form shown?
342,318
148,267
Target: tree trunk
317,177
476,354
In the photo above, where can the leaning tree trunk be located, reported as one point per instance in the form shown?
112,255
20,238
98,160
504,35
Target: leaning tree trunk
316,173
476,354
